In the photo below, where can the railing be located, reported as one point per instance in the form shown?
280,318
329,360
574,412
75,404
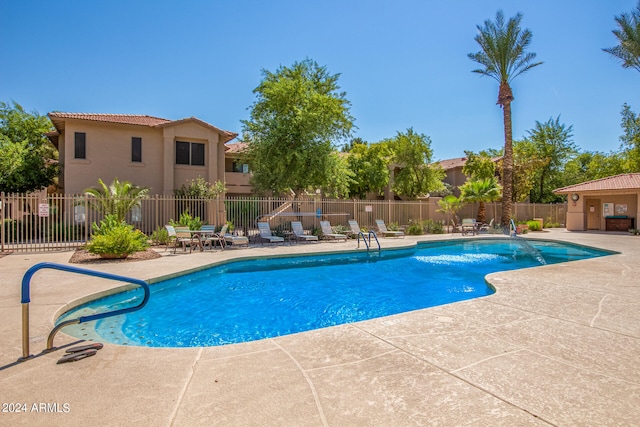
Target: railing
26,283
41,223
364,239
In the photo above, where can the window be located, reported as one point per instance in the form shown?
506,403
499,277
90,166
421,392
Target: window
80,146
240,167
189,153
197,154
136,149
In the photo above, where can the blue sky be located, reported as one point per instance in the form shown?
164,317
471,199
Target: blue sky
402,63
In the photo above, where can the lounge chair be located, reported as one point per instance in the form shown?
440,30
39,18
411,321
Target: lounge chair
265,234
485,228
355,228
298,233
328,233
382,228
231,239
469,225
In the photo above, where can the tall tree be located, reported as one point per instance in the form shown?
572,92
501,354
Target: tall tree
298,115
588,166
27,158
551,141
628,35
503,57
369,164
411,153
479,166
631,139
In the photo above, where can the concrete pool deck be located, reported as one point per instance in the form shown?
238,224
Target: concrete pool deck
555,345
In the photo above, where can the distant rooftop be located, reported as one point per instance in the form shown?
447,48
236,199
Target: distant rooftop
627,181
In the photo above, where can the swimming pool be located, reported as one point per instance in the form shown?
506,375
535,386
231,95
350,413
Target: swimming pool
260,298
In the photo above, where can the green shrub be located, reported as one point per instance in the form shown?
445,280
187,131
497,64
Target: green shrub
433,227
186,220
414,229
393,226
113,237
534,225
160,236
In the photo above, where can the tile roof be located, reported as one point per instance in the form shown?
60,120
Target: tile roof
452,163
134,119
128,119
627,181
236,147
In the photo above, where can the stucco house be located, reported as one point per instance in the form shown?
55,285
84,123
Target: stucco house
607,204
148,151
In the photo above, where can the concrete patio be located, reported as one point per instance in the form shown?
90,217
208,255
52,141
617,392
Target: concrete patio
555,345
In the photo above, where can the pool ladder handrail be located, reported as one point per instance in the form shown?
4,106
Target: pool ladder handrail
364,239
512,226
26,282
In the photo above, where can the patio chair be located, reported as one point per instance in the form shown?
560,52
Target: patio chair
266,235
233,240
382,228
181,236
328,233
298,233
210,237
469,225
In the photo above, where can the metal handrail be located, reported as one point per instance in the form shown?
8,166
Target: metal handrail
371,232
363,239
26,282
375,236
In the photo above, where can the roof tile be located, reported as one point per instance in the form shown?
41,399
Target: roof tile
627,181
129,119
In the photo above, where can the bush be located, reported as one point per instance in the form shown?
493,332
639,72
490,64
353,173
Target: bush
116,238
433,227
186,220
533,225
160,236
414,229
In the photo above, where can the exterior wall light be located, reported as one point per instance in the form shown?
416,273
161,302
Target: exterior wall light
575,197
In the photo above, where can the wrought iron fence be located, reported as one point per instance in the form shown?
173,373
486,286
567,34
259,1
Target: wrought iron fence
43,222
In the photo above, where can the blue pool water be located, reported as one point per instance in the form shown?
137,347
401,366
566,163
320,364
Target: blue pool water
255,299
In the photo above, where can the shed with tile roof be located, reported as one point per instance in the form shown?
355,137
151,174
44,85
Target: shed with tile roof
148,151
608,204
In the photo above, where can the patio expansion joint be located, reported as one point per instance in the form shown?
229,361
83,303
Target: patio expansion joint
183,392
597,315
314,392
454,374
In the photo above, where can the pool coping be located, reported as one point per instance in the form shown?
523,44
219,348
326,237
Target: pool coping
561,352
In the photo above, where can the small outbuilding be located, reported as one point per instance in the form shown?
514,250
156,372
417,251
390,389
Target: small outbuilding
607,204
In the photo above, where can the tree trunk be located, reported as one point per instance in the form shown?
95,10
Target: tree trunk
482,213
507,165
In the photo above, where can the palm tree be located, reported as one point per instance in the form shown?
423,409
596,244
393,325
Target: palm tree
628,34
116,199
504,57
481,191
450,205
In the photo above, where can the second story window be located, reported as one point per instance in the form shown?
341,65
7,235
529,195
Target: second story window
136,149
80,146
189,153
